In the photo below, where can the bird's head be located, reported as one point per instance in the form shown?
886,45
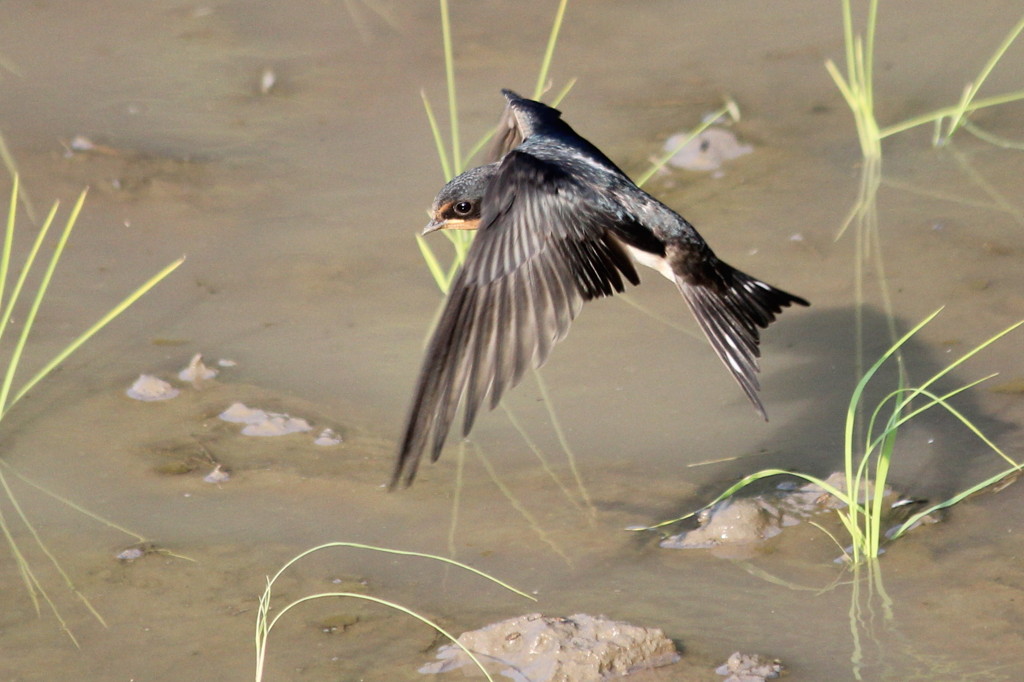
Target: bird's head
457,205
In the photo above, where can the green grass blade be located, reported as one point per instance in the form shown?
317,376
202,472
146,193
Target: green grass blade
968,355
941,401
5,318
542,79
981,436
264,623
24,567
844,86
436,270
959,497
991,138
743,483
401,552
33,585
480,144
449,75
858,392
442,154
848,40
452,164
27,523
12,168
26,328
452,271
868,58
874,507
5,256
261,646
65,501
89,333
934,400
563,92
549,52
972,90
959,111
949,111
863,520
708,121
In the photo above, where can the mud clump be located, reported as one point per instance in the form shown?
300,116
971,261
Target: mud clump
580,648
750,668
741,523
708,151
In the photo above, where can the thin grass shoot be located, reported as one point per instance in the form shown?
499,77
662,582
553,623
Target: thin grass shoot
857,87
867,463
453,162
10,394
265,623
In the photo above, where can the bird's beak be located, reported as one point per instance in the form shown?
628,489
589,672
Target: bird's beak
450,224
433,226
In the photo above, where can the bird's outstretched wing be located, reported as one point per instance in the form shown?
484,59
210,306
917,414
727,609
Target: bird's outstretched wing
542,249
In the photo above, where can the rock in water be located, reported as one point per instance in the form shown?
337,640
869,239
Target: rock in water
580,648
149,388
707,151
750,668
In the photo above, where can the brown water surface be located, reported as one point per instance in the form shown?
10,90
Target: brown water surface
297,211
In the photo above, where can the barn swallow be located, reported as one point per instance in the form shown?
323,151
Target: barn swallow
558,224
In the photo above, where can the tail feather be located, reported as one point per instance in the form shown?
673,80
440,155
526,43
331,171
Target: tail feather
731,308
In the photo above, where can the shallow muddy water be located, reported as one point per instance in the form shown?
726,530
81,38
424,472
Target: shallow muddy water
297,210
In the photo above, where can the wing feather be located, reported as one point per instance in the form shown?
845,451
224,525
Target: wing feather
542,249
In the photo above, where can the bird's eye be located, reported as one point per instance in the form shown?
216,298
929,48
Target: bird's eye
463,207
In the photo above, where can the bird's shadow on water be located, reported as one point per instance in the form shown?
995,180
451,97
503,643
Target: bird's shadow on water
935,454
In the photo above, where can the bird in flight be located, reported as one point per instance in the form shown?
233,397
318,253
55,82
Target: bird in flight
558,224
